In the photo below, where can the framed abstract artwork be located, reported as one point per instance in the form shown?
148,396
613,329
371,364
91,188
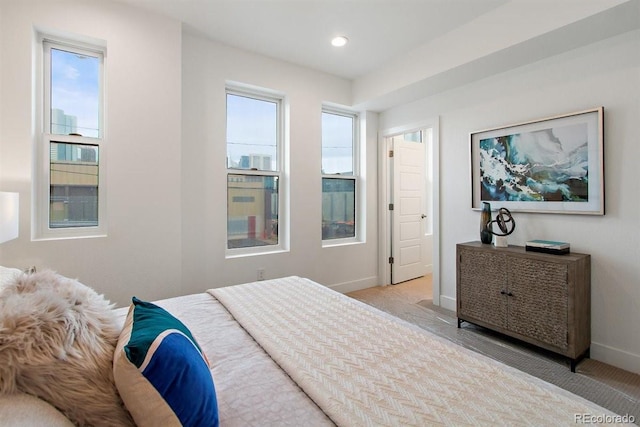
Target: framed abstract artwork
552,165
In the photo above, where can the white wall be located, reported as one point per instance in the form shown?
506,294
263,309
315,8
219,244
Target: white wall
166,180
605,74
206,67
142,253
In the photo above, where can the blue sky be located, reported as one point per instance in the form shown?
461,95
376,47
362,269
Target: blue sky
75,88
337,143
251,129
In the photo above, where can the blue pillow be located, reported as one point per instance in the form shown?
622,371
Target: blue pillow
160,371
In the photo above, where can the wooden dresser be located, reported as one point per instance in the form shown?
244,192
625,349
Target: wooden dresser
538,298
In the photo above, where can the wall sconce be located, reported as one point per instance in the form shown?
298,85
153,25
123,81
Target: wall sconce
9,221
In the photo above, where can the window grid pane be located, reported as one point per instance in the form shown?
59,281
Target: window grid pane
75,93
338,208
252,210
337,144
413,136
252,133
73,178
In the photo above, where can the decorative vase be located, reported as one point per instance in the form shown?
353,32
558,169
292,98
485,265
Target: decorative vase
485,227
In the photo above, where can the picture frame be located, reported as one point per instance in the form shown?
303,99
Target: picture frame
550,165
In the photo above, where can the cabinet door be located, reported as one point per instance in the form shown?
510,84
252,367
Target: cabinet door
483,275
538,300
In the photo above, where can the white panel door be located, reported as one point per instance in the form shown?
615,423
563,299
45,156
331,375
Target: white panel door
408,243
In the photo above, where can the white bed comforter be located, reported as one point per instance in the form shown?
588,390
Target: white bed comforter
366,368
251,389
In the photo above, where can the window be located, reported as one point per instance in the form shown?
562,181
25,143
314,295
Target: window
339,175
254,171
70,191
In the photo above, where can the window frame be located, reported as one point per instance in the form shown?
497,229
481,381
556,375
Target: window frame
41,229
356,160
280,171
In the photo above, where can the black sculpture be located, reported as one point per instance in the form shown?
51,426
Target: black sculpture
505,223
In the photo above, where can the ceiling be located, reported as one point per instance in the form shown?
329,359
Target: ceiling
300,31
402,50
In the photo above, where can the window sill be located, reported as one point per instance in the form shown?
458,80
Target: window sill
248,252
341,242
67,237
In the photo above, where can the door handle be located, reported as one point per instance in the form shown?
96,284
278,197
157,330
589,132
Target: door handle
423,216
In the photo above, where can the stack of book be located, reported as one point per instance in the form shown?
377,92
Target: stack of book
547,246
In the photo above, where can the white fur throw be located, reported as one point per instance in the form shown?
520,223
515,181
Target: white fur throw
57,339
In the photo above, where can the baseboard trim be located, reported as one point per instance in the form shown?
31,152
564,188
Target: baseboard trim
615,357
355,285
448,303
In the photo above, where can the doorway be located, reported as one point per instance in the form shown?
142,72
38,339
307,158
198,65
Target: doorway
409,191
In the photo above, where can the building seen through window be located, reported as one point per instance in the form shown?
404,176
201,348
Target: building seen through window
73,185
252,210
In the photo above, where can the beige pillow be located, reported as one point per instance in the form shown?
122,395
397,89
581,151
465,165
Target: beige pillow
20,409
8,275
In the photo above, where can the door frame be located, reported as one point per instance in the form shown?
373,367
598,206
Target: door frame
384,190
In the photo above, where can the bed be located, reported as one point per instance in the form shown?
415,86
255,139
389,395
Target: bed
291,352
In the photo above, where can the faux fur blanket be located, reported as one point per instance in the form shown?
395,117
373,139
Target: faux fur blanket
57,338
366,368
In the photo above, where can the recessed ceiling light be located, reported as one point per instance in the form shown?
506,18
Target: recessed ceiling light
339,41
